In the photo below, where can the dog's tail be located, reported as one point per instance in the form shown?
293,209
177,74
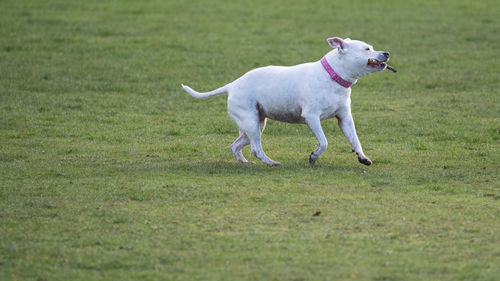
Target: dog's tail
198,95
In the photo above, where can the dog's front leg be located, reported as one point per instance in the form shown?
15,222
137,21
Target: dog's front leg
314,124
346,124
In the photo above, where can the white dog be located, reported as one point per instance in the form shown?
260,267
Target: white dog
306,93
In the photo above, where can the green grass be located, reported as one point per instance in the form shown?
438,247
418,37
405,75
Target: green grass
109,171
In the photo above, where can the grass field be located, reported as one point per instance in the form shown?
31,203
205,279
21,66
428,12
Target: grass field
109,171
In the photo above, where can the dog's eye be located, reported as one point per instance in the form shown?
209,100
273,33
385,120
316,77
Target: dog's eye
367,49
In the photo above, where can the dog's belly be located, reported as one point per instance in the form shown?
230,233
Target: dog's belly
291,114
285,117
294,117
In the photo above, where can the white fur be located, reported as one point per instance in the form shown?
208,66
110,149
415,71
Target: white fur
297,94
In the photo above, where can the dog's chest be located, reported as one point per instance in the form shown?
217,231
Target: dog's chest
328,105
328,112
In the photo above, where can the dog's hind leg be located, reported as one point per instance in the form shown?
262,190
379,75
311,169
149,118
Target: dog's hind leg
243,141
251,124
257,151
238,145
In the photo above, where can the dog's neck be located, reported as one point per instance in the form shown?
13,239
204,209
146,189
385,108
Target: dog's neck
334,75
335,61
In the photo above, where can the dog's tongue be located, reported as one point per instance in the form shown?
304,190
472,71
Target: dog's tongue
391,68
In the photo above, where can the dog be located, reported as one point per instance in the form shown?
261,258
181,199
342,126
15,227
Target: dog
306,93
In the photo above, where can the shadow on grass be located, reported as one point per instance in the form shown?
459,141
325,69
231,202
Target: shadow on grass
221,168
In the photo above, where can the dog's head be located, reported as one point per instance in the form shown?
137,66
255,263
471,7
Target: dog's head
359,57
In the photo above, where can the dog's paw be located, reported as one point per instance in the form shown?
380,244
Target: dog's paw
365,161
311,159
274,163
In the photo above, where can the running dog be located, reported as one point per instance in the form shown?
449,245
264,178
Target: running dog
306,93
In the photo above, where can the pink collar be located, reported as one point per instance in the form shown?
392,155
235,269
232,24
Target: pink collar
335,77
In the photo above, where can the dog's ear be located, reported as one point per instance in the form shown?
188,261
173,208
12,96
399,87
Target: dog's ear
336,42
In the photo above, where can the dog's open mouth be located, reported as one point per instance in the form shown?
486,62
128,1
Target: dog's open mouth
376,63
380,65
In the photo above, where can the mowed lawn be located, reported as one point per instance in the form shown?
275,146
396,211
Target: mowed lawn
109,171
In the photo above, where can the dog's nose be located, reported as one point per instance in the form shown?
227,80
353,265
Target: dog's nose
386,54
